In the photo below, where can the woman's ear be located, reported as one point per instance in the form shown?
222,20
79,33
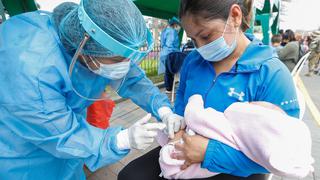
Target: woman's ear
236,15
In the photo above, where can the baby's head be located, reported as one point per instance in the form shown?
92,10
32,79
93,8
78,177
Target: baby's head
268,105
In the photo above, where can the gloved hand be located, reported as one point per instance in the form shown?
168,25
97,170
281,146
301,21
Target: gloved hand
172,121
140,135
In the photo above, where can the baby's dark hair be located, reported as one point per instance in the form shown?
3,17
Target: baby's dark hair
216,9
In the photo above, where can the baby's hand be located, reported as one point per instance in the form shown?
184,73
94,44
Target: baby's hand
268,105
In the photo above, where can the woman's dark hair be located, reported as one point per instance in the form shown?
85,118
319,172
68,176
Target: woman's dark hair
291,35
216,9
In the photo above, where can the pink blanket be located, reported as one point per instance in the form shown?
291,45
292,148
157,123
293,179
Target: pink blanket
279,143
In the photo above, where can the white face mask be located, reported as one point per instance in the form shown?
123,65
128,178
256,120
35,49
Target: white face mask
113,71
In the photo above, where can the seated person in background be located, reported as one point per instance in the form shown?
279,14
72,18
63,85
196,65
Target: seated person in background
173,64
279,135
289,54
188,47
285,40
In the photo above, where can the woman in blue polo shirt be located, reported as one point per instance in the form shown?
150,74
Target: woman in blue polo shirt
228,66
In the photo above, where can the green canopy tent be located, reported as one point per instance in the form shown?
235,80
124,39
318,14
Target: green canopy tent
267,17
15,7
162,9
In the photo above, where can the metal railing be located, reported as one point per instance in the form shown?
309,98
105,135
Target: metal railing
150,63
297,69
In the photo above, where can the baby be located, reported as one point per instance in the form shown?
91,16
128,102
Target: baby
283,146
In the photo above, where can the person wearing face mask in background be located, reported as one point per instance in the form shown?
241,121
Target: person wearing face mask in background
169,42
170,53
54,66
227,66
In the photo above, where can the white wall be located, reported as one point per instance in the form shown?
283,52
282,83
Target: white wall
301,15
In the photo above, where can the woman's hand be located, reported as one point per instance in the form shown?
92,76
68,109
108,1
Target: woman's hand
192,150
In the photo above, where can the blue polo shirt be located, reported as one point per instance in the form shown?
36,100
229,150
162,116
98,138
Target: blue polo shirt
258,75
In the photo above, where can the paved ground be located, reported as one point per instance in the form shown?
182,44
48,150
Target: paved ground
126,113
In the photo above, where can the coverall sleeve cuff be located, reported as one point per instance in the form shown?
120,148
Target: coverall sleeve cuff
109,152
121,152
122,139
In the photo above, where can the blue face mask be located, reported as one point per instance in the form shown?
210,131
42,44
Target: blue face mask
218,49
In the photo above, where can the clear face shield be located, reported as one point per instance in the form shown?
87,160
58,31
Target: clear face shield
90,75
